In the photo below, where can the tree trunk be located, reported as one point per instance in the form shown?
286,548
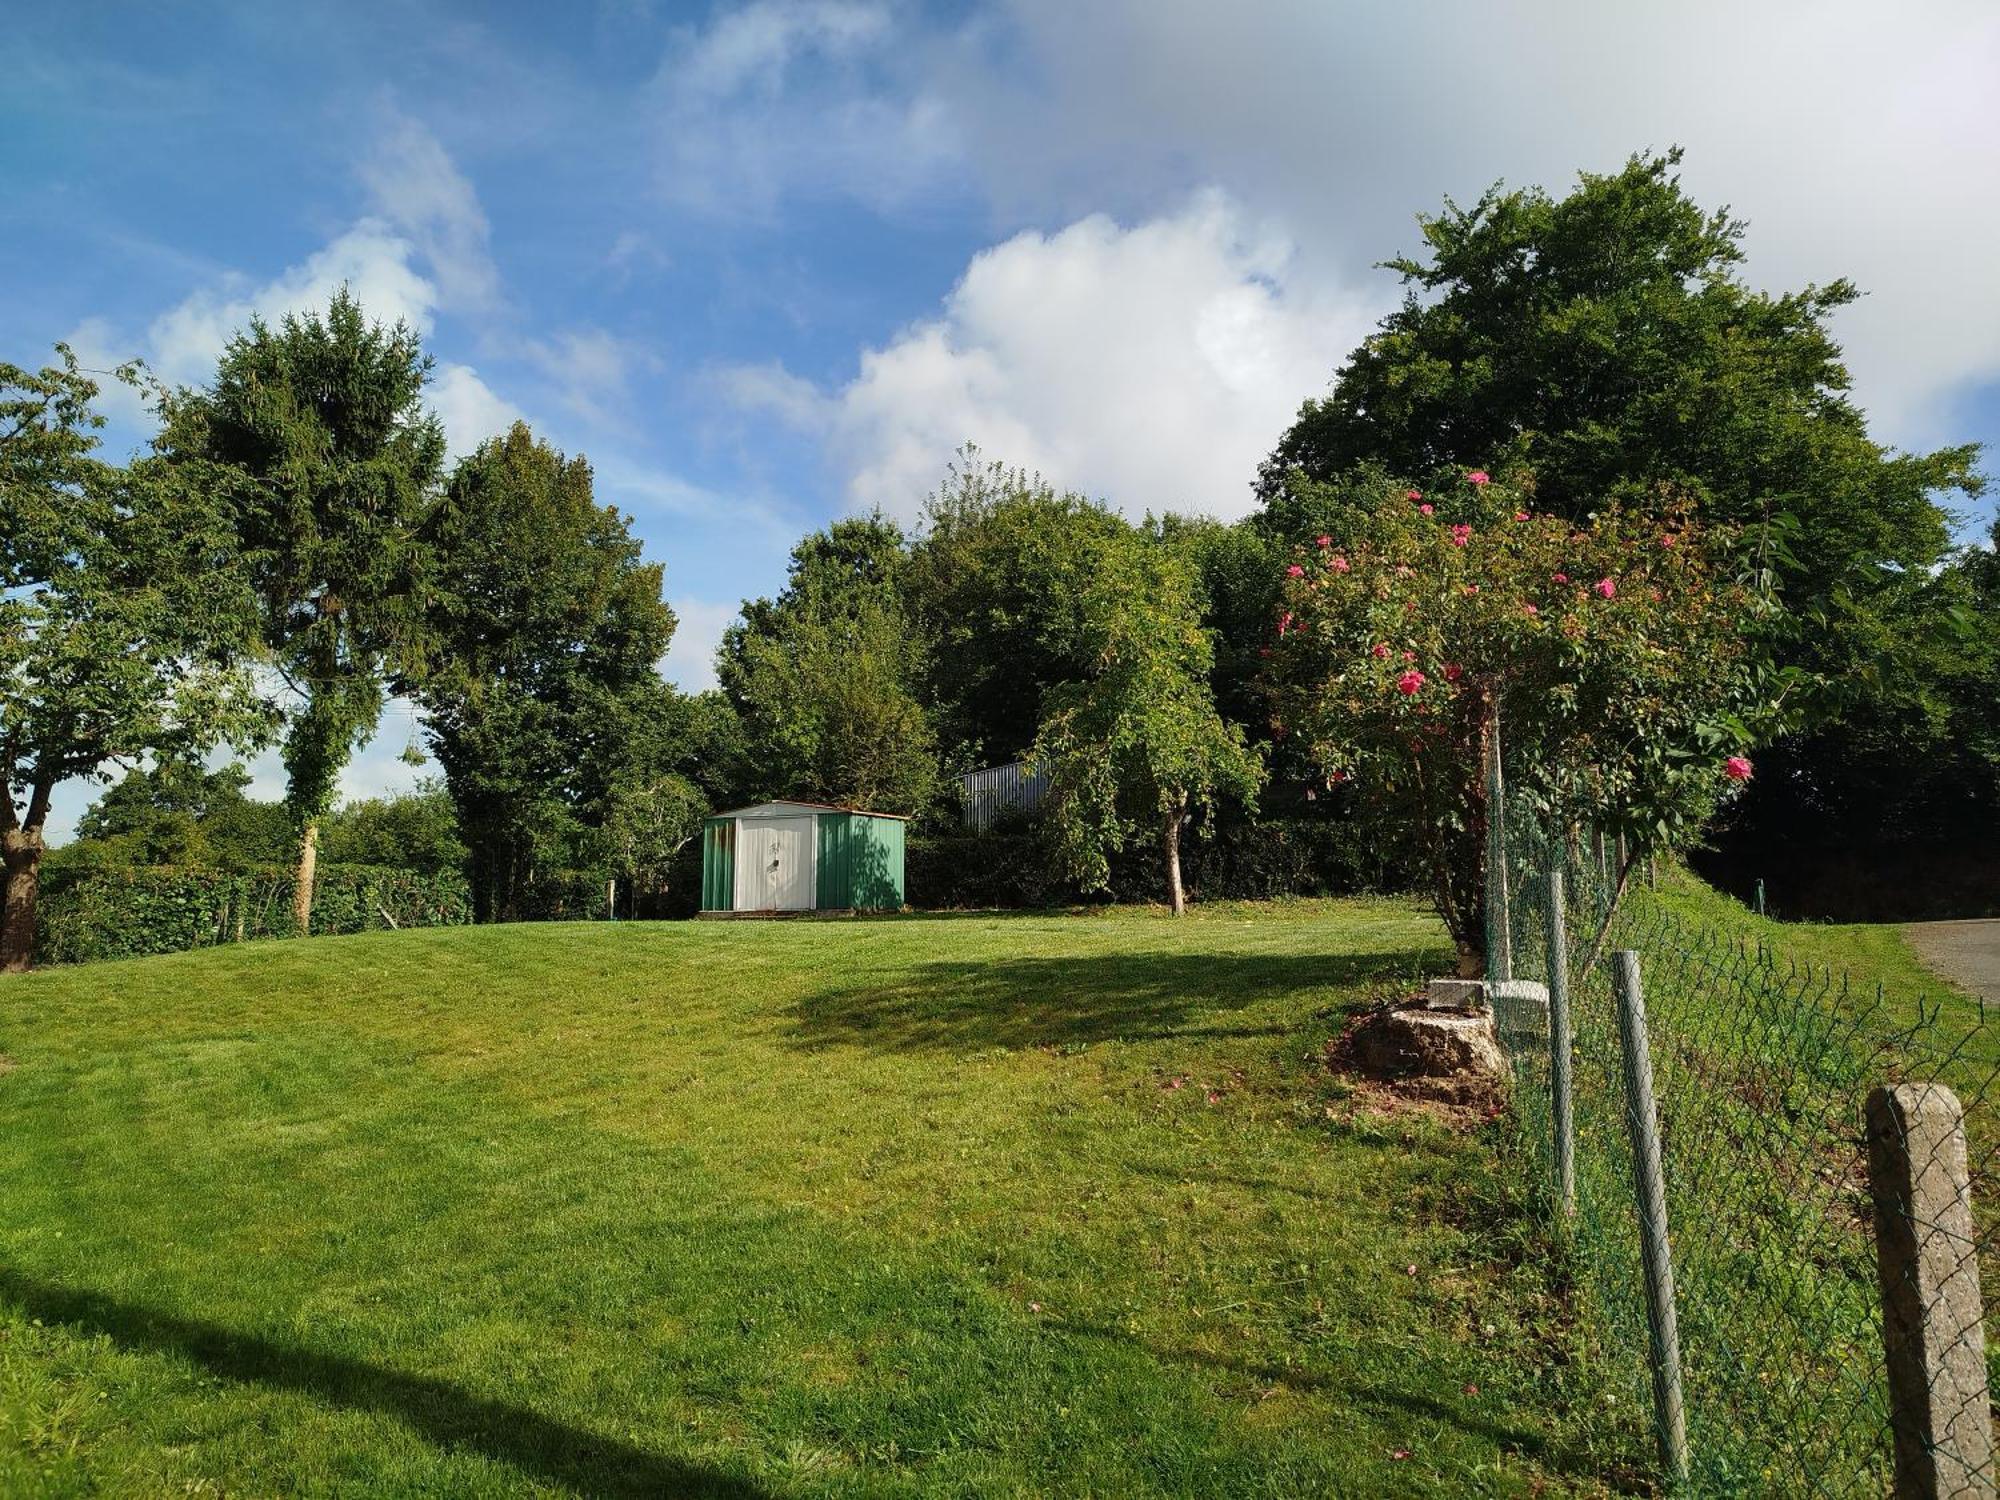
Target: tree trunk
1170,838
21,849
302,889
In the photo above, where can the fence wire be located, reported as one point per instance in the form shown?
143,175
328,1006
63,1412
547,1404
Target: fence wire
1763,1067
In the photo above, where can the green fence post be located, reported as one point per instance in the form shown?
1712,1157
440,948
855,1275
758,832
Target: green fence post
1563,1117
1649,1182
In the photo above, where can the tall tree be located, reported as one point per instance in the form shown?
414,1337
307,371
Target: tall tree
542,703
823,677
1133,739
323,421
1606,342
984,589
122,619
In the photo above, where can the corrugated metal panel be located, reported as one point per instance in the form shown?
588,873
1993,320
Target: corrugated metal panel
860,862
1000,789
718,864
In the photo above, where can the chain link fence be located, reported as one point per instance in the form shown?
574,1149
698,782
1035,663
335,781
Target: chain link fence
1767,1075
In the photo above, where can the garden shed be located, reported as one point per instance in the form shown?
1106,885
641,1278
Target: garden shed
801,856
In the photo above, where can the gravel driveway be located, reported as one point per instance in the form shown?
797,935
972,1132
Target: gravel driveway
1968,952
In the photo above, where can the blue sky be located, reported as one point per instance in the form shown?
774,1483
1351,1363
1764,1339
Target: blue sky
766,263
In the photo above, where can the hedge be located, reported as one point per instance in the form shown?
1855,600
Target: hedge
1239,862
129,913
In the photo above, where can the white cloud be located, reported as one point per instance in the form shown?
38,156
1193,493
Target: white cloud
690,663
468,407
1856,141
788,96
1152,365
414,184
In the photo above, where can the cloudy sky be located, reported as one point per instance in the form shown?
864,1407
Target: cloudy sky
767,263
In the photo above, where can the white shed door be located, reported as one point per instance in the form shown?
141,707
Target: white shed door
774,864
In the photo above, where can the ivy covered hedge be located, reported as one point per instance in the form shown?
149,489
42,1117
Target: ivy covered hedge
88,915
1240,862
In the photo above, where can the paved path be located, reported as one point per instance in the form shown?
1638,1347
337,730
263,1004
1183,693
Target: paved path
1968,952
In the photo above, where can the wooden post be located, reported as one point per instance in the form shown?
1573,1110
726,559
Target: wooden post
1563,1118
1933,1323
1649,1181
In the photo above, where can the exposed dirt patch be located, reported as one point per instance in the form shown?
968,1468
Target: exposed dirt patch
1405,1058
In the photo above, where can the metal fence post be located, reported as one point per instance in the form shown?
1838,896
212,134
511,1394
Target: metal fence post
1563,1119
1933,1324
1499,919
1760,896
1649,1181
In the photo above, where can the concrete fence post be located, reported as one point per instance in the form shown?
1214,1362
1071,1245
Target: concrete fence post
1650,1184
1562,1115
1933,1323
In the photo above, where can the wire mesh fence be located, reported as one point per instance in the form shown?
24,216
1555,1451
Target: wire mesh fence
1762,1071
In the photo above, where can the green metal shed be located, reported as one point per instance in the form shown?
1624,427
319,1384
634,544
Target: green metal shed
801,856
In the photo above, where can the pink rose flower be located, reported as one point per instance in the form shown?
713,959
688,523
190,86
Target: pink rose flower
1460,535
1562,578
1415,495
1472,588
1530,610
1325,542
1478,476
1736,768
1453,671
1284,622
1428,509
1606,589
1668,539
1409,656
1410,683
1520,515
1381,651
1341,564
1295,571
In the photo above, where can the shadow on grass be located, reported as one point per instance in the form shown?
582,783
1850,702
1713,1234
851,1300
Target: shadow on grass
444,1415
1507,1436
965,1005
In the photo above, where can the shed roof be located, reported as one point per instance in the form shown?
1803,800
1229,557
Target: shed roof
785,802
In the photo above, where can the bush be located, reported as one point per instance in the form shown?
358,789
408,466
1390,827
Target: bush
87,914
1240,862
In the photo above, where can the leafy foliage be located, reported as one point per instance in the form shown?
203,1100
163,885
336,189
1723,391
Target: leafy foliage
317,432
131,913
1616,658
823,678
542,702
1133,739
123,622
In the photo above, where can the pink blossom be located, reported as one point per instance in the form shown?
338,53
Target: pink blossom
1336,778
1341,564
1381,650
1409,656
1410,683
1562,578
1403,571
1479,476
1472,588
1453,671
1520,515
1284,622
1736,768
1325,542
1428,509
1460,535
1295,571
1415,495
1606,589
1668,539
1530,610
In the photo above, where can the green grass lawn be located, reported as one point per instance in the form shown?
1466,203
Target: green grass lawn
813,1208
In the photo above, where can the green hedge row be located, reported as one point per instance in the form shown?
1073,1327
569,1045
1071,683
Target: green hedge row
1239,862
129,913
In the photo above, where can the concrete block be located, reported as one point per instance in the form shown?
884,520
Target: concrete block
1455,994
1520,1007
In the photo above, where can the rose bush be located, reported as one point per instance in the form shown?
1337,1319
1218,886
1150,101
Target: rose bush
1619,660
